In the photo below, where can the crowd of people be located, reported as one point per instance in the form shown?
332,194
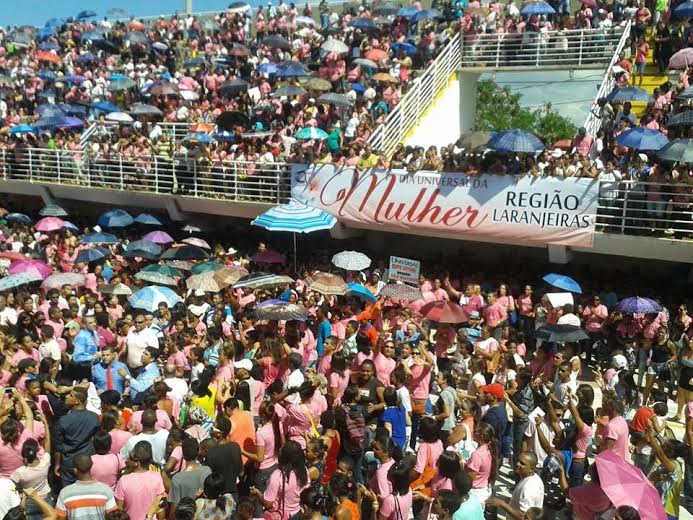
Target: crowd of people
284,393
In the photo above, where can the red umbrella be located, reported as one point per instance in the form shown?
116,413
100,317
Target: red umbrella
376,55
31,266
444,312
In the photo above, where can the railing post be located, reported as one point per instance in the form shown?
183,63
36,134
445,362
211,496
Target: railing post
156,175
4,164
582,39
279,197
57,165
536,61
31,166
195,177
625,208
120,171
498,49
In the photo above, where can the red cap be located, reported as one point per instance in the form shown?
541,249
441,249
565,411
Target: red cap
495,390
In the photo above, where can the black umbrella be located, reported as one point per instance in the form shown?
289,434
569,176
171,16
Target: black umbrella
227,120
233,87
106,46
136,38
276,41
141,109
681,119
187,252
561,333
139,253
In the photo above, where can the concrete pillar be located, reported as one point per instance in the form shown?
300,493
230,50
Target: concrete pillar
174,213
188,6
559,254
468,91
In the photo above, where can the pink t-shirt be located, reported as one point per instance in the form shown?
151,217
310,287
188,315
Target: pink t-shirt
420,381
163,421
177,453
138,491
105,468
119,438
340,382
380,484
383,368
265,437
11,454
582,441
427,452
396,507
480,463
617,430
289,491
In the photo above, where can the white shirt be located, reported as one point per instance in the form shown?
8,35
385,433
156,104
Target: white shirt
50,349
9,497
8,316
531,434
157,440
529,492
569,319
137,342
295,379
178,386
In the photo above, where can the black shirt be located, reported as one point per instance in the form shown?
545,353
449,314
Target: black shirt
74,433
226,459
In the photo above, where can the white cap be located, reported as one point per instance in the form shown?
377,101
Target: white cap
619,362
199,292
243,363
231,251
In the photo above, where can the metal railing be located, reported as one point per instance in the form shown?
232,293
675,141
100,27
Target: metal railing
239,181
418,99
564,48
593,122
643,208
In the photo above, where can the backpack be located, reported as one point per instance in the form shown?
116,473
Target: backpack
355,427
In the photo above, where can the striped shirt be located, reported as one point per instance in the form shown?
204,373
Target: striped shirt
85,501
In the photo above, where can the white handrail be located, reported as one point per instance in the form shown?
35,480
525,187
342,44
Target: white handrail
593,122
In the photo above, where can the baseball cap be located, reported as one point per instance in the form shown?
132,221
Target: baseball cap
244,363
475,315
199,292
495,390
619,362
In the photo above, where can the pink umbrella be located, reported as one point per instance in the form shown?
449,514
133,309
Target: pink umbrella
158,237
626,485
197,242
269,257
681,59
49,224
31,266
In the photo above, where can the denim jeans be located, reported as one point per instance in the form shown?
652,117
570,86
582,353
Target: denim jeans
518,432
578,470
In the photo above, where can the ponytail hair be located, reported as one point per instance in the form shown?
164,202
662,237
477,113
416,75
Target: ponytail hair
486,434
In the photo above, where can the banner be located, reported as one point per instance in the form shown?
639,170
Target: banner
547,210
404,270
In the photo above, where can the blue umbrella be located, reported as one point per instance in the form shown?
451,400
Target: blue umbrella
83,15
403,46
93,36
21,129
426,14
684,10
48,122
47,75
515,141
15,280
55,22
116,218
562,281
356,289
93,254
291,69
105,106
268,68
71,122
225,136
145,245
19,217
149,298
50,111
537,8
358,88
295,217
637,305
99,238
147,219
629,94
70,225
87,57
45,33
311,133
365,24
49,46
199,137
74,109
407,12
641,138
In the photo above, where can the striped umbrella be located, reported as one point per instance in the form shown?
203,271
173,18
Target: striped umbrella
226,276
57,280
203,282
149,298
401,291
15,280
260,279
157,278
327,284
295,217
53,210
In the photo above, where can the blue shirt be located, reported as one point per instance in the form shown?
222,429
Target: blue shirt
98,374
324,332
145,380
470,509
86,345
397,417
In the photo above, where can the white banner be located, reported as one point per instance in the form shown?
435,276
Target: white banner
404,270
545,210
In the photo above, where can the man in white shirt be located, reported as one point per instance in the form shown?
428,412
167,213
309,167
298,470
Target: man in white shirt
568,317
49,348
157,439
138,340
178,385
296,377
528,493
8,316
200,307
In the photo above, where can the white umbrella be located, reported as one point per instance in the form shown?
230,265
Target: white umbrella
119,117
351,261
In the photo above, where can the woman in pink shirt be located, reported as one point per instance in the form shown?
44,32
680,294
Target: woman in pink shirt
482,465
267,441
281,497
428,452
105,465
111,423
384,362
338,378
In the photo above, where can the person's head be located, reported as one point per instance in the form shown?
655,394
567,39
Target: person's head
90,323
77,397
446,503
444,379
367,371
82,466
295,361
102,442
149,355
398,475
448,464
141,455
390,396
315,450
612,407
108,354
148,419
384,448
191,449
493,393
213,489
626,513
30,451
292,459
429,429
564,371
675,449
526,463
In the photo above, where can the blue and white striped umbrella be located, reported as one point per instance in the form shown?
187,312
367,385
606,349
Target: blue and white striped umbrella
149,298
515,141
621,94
295,217
641,138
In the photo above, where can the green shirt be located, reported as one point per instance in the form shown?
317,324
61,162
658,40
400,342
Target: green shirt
333,140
